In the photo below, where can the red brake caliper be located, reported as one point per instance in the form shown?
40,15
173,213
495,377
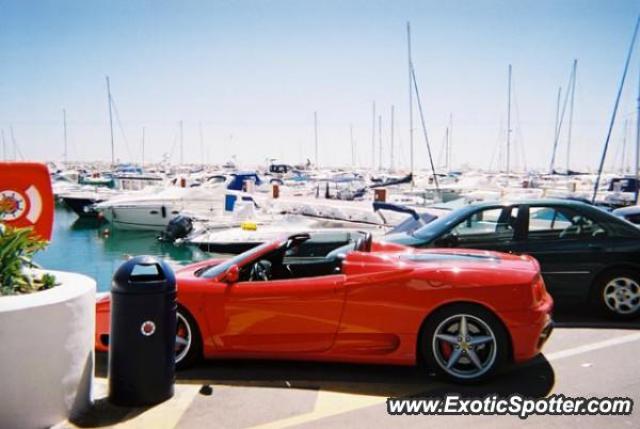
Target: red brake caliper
446,349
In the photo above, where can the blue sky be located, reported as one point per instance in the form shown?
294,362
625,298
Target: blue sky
253,73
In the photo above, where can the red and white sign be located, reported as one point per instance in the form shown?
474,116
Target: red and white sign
26,198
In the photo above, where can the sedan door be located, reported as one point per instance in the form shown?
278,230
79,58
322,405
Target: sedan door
282,316
491,228
569,246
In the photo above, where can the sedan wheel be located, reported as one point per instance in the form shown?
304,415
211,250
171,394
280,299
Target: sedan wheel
465,343
621,296
188,342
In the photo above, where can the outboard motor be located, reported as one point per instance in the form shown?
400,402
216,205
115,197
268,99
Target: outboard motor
178,227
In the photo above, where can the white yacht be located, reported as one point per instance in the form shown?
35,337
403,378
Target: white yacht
153,211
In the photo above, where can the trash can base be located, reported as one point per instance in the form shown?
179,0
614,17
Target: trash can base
122,401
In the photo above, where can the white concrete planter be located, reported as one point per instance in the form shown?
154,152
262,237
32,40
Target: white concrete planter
46,357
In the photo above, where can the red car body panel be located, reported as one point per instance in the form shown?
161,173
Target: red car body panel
370,312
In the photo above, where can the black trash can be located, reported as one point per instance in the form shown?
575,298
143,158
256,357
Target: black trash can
143,332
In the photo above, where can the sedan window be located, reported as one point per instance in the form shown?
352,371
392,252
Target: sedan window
546,223
551,223
493,223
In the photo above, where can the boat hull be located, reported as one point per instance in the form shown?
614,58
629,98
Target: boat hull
140,218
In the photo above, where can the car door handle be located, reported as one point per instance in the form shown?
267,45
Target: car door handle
595,247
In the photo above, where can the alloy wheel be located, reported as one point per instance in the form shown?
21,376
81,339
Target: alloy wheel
622,295
183,337
464,346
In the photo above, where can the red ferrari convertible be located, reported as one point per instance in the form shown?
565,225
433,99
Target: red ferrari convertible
463,313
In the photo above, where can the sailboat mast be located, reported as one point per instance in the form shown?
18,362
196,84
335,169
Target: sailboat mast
181,143
614,113
143,129
315,130
113,154
64,121
4,145
573,91
450,143
380,142
446,148
410,66
353,149
637,163
424,130
202,157
13,141
392,161
624,146
373,136
556,132
509,123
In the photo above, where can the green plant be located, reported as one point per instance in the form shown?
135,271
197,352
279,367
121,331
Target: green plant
17,247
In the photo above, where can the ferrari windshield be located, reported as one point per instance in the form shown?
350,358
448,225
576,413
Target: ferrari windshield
432,229
216,270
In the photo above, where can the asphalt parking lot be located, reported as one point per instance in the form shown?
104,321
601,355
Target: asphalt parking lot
586,356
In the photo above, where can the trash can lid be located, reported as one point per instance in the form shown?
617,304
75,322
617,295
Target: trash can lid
143,274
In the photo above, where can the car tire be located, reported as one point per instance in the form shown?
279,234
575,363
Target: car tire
617,294
188,340
478,355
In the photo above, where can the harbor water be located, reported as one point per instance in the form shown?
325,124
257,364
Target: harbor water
90,247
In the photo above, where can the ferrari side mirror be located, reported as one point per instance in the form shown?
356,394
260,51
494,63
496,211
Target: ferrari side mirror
232,275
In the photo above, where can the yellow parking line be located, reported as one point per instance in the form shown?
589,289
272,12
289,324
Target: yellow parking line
327,404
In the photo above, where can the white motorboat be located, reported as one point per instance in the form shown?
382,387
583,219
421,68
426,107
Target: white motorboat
82,199
384,218
152,210
248,234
